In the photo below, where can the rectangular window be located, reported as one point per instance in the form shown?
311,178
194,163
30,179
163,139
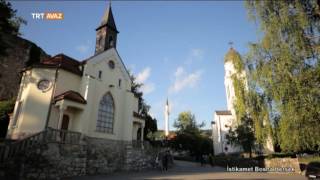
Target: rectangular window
119,83
100,75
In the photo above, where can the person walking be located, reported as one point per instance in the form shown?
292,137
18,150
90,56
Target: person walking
159,161
202,160
165,161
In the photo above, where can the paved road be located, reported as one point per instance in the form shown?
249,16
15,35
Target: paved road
188,170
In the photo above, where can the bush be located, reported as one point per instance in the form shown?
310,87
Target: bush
281,155
6,106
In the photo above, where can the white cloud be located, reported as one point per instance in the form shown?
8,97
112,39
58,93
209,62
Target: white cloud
179,71
147,88
194,55
184,80
143,75
142,78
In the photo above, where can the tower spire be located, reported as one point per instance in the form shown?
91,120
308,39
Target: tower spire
106,36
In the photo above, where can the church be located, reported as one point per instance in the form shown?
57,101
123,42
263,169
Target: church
225,119
92,97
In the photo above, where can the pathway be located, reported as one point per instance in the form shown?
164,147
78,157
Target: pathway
189,170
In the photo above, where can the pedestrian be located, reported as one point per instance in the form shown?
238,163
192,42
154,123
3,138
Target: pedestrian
165,160
4,122
202,160
159,161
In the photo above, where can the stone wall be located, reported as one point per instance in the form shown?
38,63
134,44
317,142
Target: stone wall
48,161
105,156
93,156
283,163
139,159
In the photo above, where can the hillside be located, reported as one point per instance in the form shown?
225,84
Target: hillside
19,53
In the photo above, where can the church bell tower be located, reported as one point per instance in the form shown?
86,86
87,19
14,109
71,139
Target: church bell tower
106,33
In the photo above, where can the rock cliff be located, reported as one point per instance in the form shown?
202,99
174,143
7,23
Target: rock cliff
18,54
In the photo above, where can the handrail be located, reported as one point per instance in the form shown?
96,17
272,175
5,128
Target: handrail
8,151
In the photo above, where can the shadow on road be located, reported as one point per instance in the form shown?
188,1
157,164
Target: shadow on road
190,170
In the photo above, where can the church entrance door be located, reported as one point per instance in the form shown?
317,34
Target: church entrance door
65,122
64,127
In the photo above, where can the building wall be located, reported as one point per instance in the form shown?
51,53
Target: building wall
98,87
228,82
229,71
67,81
220,130
35,103
83,118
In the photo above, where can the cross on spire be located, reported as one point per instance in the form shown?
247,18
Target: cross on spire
231,44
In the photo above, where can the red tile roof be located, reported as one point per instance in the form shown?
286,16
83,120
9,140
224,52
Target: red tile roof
72,96
65,62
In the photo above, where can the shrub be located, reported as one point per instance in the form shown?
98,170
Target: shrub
6,106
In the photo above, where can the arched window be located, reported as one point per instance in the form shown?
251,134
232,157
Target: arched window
106,114
111,43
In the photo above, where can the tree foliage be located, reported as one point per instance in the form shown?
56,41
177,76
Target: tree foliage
6,106
243,135
285,71
143,110
247,102
189,136
9,23
186,122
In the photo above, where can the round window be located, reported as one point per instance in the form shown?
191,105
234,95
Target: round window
44,84
111,64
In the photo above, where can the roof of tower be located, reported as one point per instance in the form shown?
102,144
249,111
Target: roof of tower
231,54
108,20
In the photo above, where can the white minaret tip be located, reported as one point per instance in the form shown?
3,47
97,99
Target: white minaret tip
166,118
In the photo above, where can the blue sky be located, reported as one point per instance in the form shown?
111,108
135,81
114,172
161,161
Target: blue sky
175,48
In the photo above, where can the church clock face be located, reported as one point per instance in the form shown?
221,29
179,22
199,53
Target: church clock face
44,85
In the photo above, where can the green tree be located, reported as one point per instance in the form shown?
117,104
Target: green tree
243,135
143,110
6,106
9,24
189,136
186,122
284,66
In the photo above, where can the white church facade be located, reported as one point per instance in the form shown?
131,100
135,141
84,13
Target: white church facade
92,97
225,119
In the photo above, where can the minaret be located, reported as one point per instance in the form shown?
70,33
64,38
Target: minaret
230,71
166,118
106,33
